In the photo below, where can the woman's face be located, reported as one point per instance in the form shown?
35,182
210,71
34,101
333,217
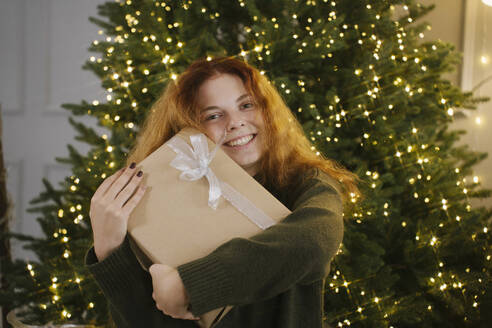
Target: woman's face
225,105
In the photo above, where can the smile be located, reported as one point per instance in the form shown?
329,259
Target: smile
244,141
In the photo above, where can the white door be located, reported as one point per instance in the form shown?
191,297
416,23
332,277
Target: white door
43,45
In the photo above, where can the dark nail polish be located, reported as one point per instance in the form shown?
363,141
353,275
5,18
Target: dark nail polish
139,174
132,166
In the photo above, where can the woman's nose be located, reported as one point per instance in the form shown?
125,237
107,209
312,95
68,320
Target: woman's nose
235,122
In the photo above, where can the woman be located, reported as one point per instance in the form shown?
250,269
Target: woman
273,279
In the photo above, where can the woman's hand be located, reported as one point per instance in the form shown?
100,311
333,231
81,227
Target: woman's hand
111,206
169,292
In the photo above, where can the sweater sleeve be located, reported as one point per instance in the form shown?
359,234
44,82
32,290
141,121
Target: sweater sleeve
128,290
297,250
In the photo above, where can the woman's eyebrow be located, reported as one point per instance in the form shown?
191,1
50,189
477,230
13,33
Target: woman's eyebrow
214,107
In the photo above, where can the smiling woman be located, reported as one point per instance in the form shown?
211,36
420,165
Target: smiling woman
274,278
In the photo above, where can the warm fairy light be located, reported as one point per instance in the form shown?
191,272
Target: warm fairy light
475,179
478,120
484,59
487,2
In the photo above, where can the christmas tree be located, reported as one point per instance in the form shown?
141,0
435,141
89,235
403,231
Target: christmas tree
369,94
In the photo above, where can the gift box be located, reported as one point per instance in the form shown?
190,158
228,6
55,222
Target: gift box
198,199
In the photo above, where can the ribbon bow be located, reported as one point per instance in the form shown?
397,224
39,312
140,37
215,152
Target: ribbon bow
194,163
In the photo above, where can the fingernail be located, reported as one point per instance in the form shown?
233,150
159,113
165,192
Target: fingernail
139,174
132,166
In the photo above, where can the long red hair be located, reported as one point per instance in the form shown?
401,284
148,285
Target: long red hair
284,161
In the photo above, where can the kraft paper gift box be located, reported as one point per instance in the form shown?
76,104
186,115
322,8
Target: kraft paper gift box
179,220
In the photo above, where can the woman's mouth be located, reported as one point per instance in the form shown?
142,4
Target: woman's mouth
241,142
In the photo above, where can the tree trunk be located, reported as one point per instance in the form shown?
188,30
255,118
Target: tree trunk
5,255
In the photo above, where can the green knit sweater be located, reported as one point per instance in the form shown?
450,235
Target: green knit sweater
273,279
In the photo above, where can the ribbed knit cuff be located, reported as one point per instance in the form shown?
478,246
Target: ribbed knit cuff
207,282
116,272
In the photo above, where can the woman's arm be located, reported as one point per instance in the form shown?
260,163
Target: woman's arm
128,289
298,250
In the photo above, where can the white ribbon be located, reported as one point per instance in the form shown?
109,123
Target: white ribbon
194,164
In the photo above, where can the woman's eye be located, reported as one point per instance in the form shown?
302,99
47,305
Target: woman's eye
212,117
248,105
